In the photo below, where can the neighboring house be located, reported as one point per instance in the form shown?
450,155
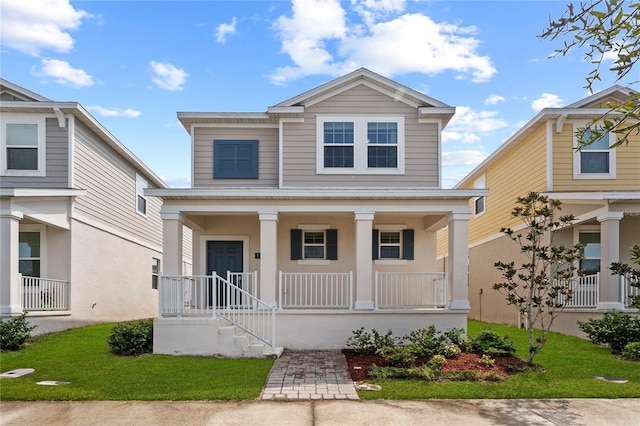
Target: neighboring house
600,186
80,241
324,208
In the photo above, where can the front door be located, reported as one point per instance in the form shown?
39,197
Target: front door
223,256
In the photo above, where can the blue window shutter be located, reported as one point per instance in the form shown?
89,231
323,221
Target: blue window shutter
332,244
296,244
235,159
374,245
407,244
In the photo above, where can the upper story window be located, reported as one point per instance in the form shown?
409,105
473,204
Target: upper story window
360,145
595,161
479,206
23,145
141,199
235,159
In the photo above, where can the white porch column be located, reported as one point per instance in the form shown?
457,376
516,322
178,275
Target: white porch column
364,264
172,230
268,278
10,285
610,295
458,266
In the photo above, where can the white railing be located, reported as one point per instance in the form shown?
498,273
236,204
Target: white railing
411,290
212,295
627,290
299,290
586,292
248,281
44,294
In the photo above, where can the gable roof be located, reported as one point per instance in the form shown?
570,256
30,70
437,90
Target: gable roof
580,110
428,107
35,103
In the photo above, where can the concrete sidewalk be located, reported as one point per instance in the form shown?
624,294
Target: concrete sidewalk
610,412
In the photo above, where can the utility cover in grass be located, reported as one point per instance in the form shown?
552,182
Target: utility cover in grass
611,379
51,383
17,373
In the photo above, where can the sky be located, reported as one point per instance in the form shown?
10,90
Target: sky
135,64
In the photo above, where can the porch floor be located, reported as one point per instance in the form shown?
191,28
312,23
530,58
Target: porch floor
310,375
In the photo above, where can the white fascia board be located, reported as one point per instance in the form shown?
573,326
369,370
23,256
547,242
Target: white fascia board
594,195
41,192
285,110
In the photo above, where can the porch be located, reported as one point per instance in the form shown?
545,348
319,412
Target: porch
44,294
586,292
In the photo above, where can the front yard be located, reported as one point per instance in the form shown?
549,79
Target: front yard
82,358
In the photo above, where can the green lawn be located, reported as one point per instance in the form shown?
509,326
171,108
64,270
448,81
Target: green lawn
571,364
81,356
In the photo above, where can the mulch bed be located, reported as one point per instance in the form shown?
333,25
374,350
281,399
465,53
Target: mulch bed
359,364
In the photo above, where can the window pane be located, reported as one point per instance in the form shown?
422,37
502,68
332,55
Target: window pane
382,156
22,158
479,204
389,252
389,237
594,162
590,266
591,243
338,156
142,204
29,268
338,132
382,133
22,134
314,252
29,244
600,144
314,237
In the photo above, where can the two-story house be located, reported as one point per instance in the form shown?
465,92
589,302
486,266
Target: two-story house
313,219
80,242
600,186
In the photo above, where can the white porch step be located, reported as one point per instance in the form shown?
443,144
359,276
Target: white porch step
238,343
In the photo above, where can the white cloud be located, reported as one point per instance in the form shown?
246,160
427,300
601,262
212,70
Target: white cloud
465,126
386,44
65,74
167,76
462,158
223,30
36,25
546,100
114,112
494,99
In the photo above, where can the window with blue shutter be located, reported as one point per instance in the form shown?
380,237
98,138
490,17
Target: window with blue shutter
235,159
389,245
310,245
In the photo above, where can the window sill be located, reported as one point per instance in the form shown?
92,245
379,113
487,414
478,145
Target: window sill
314,262
390,262
24,173
351,171
594,176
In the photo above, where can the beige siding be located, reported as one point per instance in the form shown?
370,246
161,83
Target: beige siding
267,156
517,173
110,182
627,166
57,162
421,143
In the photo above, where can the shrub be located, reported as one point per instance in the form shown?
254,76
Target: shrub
437,362
491,343
384,373
399,356
15,333
487,361
132,338
631,351
457,337
450,351
423,372
614,329
364,342
426,341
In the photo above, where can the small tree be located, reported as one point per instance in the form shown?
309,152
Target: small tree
541,286
631,274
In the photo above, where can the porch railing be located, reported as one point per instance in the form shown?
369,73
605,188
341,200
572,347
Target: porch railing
248,281
411,290
212,295
44,294
300,290
586,292
627,290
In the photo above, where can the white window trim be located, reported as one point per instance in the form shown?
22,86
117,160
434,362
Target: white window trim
141,184
390,228
360,145
577,173
42,229
480,183
40,121
314,228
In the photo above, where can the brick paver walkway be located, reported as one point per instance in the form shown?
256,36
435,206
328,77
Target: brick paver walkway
300,375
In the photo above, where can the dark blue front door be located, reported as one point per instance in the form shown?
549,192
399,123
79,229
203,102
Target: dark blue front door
223,256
